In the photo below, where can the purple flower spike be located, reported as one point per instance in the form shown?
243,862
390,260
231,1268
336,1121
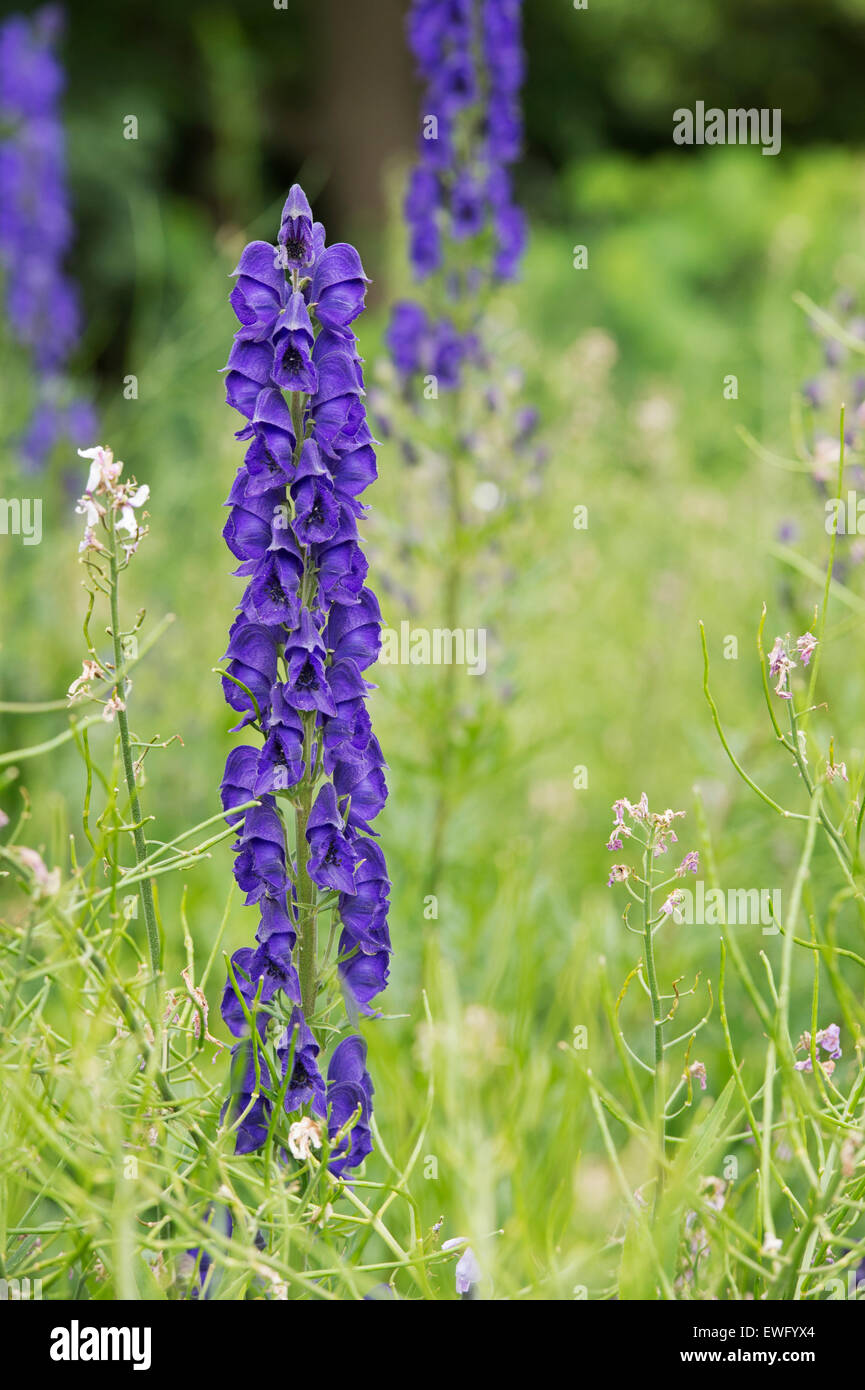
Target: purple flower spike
36,229
470,57
306,630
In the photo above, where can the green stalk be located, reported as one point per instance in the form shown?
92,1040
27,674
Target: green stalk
307,935
146,889
660,1080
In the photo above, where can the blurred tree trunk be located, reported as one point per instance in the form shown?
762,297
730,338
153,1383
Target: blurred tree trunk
369,105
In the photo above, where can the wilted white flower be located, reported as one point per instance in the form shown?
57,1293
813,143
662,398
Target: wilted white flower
805,646
697,1070
110,708
304,1136
90,671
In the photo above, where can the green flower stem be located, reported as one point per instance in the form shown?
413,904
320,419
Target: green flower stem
307,935
780,1032
146,888
307,906
660,1070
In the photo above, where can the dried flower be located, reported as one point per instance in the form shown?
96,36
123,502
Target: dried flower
304,1136
697,1071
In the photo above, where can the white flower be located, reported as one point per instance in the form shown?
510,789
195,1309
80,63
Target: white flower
103,470
92,510
122,499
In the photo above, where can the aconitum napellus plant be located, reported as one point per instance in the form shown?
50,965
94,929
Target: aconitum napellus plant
306,630
36,228
450,396
466,231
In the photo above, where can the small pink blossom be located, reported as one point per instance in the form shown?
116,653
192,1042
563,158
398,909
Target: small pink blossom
689,865
830,1041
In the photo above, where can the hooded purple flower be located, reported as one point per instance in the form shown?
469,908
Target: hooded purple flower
246,1098
273,594
298,1048
259,294
338,287
353,630
295,231
364,912
307,687
316,506
293,341
362,780
332,856
260,974
349,1095
363,976
252,661
260,850
247,372
280,763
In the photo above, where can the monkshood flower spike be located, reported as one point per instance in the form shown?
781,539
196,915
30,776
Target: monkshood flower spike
465,229
36,227
307,629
